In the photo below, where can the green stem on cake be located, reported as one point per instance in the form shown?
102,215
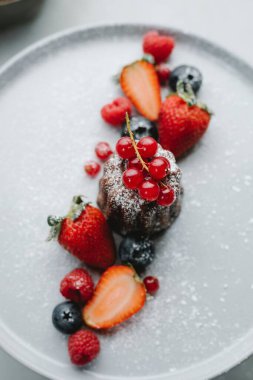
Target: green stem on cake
134,143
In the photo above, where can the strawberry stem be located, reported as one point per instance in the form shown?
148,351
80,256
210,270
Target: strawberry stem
186,93
134,143
55,226
77,207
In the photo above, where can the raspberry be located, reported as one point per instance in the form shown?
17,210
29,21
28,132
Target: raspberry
159,46
92,168
77,285
163,73
151,284
115,112
83,347
103,150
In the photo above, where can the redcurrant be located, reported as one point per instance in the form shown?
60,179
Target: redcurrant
92,168
166,196
103,150
135,163
149,190
132,178
147,147
151,284
125,148
159,167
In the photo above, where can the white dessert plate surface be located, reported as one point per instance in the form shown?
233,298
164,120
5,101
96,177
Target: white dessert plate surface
201,322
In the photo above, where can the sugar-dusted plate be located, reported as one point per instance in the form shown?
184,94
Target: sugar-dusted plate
201,322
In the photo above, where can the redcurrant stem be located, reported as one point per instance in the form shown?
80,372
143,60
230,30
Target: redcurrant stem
163,184
134,143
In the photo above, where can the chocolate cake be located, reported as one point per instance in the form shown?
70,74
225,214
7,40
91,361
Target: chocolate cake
125,211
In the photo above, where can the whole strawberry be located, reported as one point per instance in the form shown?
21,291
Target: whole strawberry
85,233
182,121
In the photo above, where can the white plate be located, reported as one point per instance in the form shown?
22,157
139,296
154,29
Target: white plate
201,321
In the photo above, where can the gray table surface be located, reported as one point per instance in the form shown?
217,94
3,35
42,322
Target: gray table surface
226,22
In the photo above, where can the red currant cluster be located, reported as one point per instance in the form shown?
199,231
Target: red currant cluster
144,171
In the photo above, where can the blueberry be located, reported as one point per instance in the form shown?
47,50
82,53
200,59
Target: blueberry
137,251
188,74
67,317
140,127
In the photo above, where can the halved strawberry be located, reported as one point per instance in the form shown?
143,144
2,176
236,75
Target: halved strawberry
140,84
118,295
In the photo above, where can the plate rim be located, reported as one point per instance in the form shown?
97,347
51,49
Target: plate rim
209,368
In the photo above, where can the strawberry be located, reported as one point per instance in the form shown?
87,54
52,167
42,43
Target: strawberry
159,46
85,233
118,295
140,84
182,121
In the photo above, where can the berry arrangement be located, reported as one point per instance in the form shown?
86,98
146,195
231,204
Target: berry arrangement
84,233
140,81
144,121
100,308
